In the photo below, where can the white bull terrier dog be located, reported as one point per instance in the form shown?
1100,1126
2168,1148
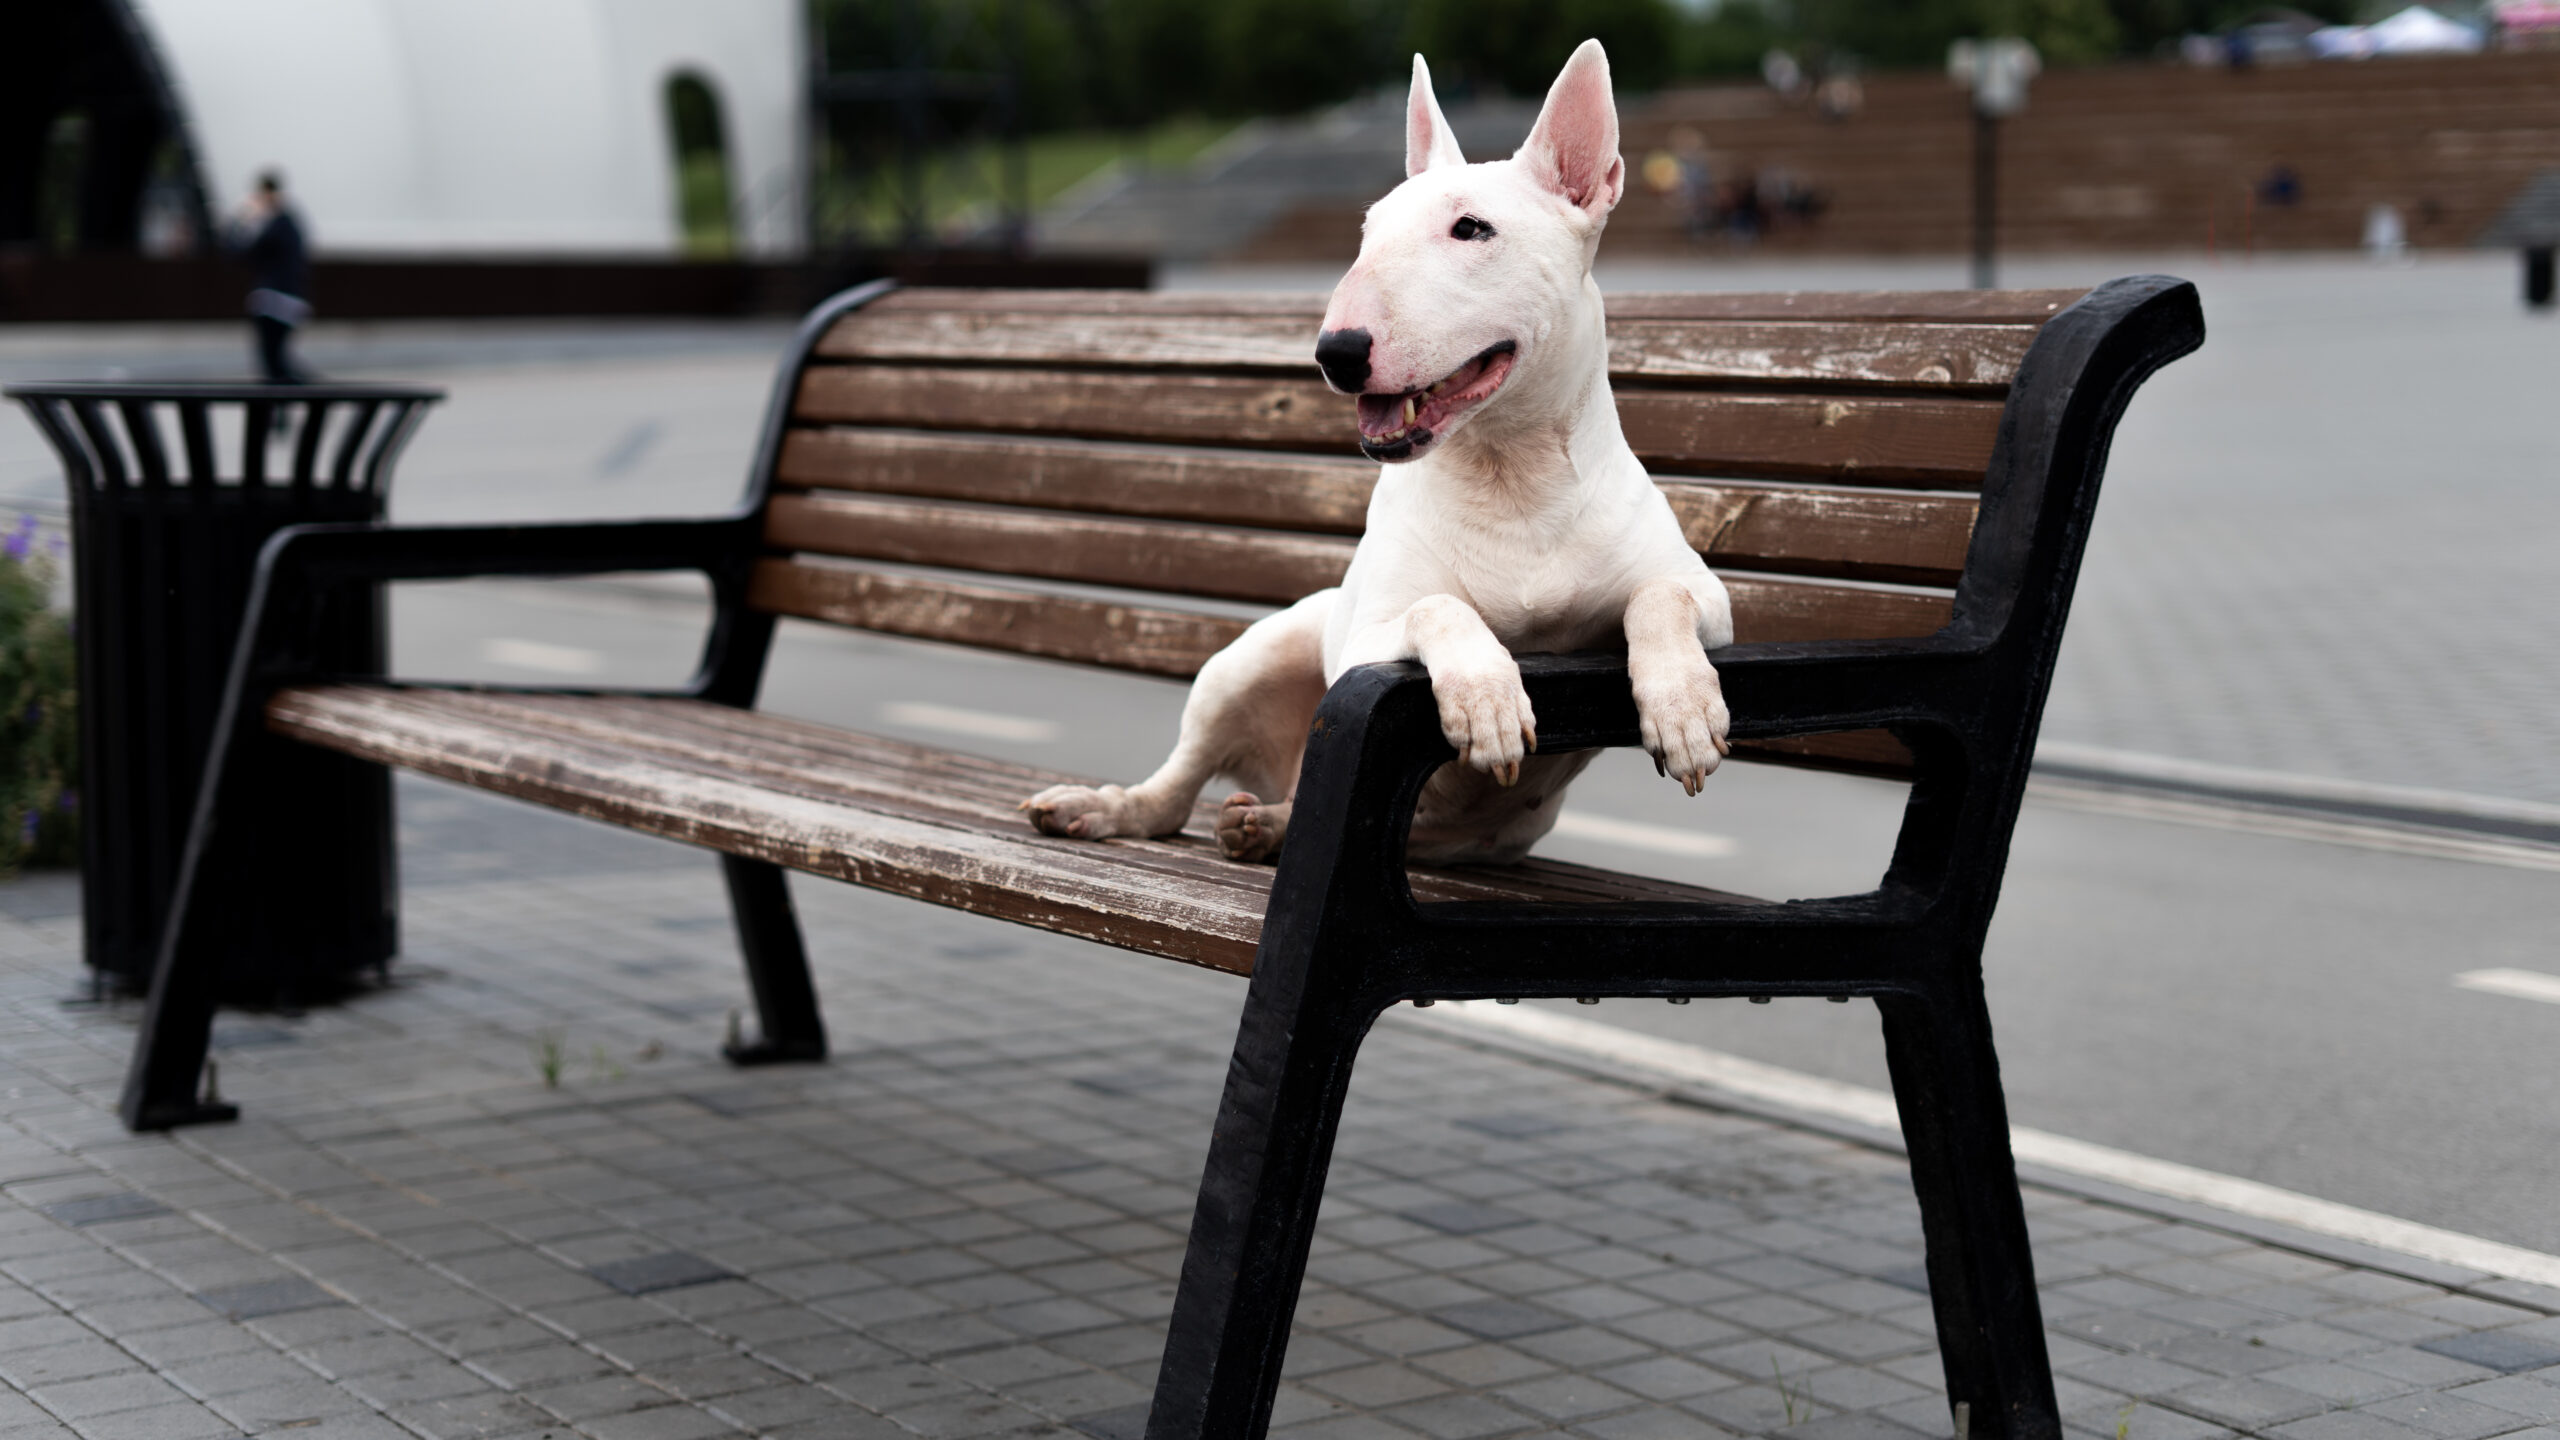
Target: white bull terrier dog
1511,516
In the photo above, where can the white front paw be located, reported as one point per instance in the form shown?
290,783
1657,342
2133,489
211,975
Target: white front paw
1680,710
1485,715
1079,811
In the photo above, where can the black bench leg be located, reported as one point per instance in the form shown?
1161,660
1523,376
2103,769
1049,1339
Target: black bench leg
1257,1211
161,1083
1946,1082
161,1087
777,968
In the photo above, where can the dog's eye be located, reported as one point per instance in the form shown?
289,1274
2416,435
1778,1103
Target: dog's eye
1470,228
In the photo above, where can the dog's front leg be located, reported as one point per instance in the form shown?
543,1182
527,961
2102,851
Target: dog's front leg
1484,709
1679,701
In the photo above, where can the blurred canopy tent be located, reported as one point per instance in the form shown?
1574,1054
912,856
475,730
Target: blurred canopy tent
2414,31
428,126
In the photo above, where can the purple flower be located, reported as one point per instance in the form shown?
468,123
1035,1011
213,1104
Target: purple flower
29,829
70,801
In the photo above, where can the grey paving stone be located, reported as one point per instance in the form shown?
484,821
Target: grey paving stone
260,1298
2445,1416
1501,1319
2501,1350
2345,1425
1129,1422
2534,1399
2245,1404
99,1209
664,1270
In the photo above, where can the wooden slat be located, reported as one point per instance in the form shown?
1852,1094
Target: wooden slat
1235,487
1857,534
2020,307
1935,443
1149,640
867,809
1917,539
1838,352
1767,609
1271,566
1170,641
1898,353
1865,752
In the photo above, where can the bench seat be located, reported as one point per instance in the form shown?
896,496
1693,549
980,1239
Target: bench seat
934,824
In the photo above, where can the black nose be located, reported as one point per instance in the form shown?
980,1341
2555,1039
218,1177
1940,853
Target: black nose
1343,356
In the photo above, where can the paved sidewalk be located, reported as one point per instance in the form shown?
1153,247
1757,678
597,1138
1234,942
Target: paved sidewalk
969,1223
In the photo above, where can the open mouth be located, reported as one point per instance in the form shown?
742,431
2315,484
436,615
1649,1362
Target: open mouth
1393,427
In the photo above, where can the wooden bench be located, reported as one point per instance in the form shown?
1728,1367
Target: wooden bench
1895,487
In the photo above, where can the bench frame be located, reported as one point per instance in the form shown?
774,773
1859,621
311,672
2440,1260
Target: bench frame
1344,938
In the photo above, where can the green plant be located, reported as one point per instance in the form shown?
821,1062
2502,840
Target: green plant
39,711
550,1056
1786,1393
2124,1419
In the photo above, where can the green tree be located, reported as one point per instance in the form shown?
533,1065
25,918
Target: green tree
1516,46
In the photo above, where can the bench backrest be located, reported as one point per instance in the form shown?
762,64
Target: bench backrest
1824,451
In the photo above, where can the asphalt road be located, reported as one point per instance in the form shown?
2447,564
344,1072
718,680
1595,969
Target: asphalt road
2326,551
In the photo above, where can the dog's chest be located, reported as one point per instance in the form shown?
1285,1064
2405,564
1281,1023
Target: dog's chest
1543,601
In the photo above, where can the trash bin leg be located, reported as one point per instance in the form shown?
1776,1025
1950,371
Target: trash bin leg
2537,277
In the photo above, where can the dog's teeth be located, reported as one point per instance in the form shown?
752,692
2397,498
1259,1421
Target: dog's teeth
1408,410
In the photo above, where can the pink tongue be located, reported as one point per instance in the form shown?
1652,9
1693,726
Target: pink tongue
1381,414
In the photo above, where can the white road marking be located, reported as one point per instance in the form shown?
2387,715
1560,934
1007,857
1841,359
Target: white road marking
2517,984
541,655
977,724
2292,824
2243,780
1874,1109
1637,835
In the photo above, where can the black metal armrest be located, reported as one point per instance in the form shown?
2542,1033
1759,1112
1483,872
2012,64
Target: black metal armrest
1376,740
325,556
1583,700
300,591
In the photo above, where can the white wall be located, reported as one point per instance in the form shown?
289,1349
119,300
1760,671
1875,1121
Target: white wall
488,126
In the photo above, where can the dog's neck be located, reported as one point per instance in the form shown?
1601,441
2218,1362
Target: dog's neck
1525,458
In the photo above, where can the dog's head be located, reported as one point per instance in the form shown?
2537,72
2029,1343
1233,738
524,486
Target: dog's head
1467,273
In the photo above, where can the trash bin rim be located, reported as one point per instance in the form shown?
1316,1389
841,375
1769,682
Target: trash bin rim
213,390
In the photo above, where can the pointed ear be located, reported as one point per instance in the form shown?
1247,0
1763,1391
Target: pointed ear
1427,141
1573,149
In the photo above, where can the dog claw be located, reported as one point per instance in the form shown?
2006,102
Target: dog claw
1723,746
1659,768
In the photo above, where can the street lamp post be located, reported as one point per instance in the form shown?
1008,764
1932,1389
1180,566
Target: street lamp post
1997,72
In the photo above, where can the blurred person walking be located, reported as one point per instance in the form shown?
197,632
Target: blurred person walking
269,236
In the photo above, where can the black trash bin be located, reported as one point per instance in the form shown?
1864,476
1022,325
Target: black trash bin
174,488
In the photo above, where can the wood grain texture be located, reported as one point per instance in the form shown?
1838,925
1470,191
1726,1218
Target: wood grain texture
2011,307
1225,561
1936,443
1935,355
1146,639
1234,487
1859,534
1862,752
874,811
1170,640
1175,643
